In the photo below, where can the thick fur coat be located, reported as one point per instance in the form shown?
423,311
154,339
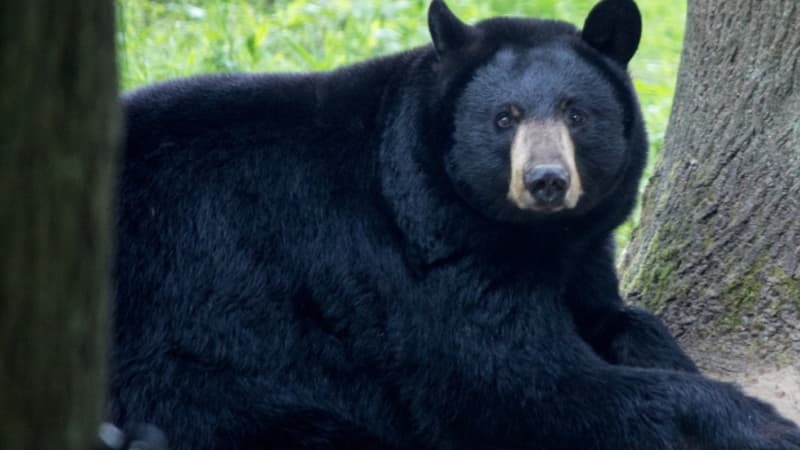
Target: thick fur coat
336,260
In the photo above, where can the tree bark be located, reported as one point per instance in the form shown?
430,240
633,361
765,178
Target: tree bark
716,254
58,138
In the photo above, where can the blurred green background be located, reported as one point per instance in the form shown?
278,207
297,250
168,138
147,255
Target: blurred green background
161,39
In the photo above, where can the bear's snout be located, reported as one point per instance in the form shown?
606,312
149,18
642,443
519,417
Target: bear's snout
544,174
547,184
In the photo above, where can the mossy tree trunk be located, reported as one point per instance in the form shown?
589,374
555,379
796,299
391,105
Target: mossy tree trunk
717,251
58,137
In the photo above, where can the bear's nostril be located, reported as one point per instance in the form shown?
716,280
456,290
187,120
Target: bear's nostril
559,183
538,185
548,184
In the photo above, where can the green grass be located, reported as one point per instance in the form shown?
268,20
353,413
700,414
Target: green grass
160,39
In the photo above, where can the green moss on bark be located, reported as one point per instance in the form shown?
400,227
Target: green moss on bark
655,278
741,295
787,286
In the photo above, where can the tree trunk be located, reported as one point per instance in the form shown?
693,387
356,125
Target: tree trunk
58,137
716,255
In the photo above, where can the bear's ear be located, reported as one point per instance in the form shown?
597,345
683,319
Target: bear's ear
614,28
448,32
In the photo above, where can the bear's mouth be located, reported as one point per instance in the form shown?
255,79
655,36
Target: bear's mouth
526,202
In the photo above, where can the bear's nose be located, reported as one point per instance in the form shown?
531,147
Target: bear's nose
548,184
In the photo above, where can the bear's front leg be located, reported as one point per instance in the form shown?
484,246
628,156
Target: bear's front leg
525,380
620,334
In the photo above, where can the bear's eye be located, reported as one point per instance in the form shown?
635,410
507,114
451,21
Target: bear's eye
504,120
575,117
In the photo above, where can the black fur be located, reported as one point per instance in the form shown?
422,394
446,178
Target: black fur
302,264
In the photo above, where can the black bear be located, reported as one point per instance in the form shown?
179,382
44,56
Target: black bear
412,252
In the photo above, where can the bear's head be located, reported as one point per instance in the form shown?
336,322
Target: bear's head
545,121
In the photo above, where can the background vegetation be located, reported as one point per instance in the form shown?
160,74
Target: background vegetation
161,39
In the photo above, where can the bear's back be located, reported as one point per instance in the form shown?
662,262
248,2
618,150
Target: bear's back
228,182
